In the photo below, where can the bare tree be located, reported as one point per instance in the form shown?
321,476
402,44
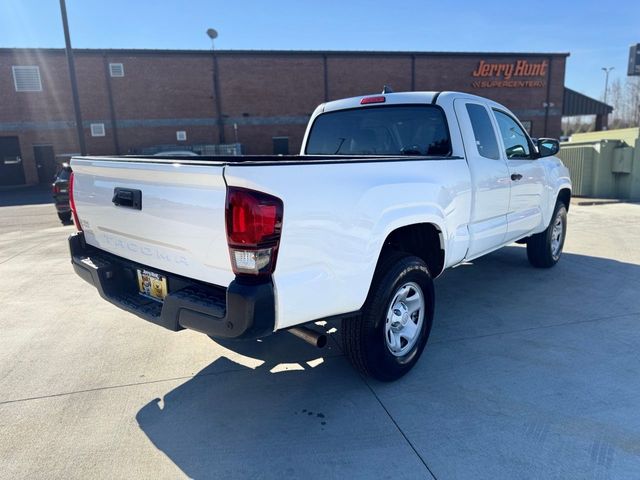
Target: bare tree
623,96
579,124
625,99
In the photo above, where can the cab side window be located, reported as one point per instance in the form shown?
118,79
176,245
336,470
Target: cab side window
516,143
483,132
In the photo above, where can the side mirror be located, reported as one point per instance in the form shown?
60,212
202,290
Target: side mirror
547,146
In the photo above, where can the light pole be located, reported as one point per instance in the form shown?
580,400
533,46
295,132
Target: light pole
72,77
606,81
213,34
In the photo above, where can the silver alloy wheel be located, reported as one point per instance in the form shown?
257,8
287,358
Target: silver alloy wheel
404,319
556,237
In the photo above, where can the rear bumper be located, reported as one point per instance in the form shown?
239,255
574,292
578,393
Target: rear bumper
243,310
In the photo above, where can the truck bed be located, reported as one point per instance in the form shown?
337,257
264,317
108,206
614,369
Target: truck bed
337,212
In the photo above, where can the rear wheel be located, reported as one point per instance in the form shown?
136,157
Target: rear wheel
545,248
386,340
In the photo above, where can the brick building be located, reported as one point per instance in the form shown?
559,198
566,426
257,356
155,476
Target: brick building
133,99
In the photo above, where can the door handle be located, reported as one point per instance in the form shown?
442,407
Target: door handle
126,197
515,176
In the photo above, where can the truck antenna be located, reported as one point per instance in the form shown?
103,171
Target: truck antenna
387,89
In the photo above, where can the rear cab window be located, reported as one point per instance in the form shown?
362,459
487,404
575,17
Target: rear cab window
381,130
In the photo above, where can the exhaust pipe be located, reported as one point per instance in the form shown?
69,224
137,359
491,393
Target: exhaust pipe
310,336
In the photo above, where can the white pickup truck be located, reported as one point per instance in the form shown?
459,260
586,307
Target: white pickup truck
387,192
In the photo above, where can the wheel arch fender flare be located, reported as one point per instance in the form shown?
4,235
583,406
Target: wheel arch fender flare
433,220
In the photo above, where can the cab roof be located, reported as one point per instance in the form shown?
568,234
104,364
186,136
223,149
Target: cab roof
399,98
389,99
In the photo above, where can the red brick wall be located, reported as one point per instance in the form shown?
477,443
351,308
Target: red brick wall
349,76
169,86
270,85
53,103
266,94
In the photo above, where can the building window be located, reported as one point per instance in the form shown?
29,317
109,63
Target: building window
97,130
116,70
181,136
27,78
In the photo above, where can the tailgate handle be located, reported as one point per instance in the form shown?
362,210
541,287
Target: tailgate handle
127,197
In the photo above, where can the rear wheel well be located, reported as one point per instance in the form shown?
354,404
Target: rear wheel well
424,240
564,196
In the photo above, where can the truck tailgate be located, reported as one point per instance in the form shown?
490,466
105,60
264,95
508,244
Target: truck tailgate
180,227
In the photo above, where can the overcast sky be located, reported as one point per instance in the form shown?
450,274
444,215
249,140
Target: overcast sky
595,33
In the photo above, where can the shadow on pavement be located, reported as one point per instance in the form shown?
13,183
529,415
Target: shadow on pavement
35,195
263,422
320,420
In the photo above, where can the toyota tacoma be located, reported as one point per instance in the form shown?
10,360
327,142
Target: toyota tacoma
387,192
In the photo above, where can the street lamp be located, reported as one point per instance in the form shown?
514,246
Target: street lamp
213,34
606,81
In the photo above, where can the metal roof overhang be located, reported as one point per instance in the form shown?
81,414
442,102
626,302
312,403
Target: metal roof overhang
576,104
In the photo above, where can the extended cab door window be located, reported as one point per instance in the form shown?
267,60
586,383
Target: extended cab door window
516,141
483,132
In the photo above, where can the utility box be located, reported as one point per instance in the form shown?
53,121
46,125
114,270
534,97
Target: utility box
604,164
579,157
622,160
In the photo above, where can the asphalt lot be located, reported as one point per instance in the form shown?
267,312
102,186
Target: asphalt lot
528,374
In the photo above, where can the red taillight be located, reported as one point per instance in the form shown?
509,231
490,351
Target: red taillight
55,188
254,222
72,204
376,99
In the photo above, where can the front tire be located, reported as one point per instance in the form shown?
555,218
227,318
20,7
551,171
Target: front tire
545,248
386,340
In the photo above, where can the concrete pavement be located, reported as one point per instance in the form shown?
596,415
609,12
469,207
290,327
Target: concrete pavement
528,374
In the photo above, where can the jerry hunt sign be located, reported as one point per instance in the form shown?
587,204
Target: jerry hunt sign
518,74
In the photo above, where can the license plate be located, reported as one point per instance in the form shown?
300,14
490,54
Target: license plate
152,285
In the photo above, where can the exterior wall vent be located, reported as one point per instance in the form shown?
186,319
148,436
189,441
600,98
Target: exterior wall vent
116,70
97,130
27,78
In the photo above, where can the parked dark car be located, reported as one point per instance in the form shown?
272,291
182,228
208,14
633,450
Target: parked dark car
60,189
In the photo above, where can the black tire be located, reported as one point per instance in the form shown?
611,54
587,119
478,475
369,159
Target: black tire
65,217
364,336
540,247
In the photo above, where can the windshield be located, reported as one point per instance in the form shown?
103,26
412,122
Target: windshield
385,130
